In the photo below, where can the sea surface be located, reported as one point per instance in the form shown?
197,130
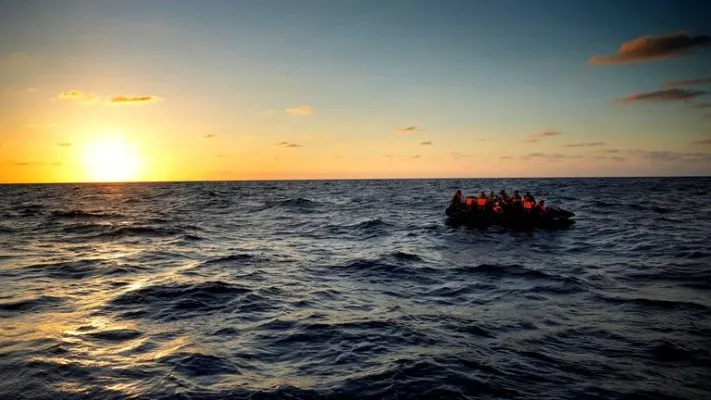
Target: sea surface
353,289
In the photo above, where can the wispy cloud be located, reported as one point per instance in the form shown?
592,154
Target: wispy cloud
649,48
703,141
457,155
701,105
287,144
303,110
666,156
584,144
34,163
663,95
134,100
536,137
549,157
688,82
406,131
210,136
427,143
64,144
416,156
610,158
78,97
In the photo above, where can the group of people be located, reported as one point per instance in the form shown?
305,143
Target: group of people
499,203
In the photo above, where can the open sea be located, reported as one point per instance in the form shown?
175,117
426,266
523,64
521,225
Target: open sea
353,289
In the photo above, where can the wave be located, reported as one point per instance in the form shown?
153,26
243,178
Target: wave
198,364
29,305
232,259
667,305
504,270
114,335
175,301
78,214
295,203
143,231
67,270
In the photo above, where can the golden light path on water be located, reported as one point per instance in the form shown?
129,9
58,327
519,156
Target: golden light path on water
84,334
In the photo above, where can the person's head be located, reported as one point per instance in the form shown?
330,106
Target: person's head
503,192
459,193
482,194
541,202
528,193
516,193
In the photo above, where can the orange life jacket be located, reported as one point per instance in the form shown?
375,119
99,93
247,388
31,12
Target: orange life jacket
528,205
470,201
481,202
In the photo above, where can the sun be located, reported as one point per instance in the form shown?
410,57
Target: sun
112,160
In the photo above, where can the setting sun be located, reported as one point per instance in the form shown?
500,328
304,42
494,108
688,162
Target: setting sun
111,160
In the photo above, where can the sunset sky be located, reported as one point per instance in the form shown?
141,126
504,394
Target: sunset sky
220,90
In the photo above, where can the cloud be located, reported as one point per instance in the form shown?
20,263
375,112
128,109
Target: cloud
666,156
78,96
65,144
287,144
427,143
584,144
663,95
456,155
688,82
303,110
416,156
406,131
701,105
549,157
538,136
650,48
210,135
505,158
134,99
703,141
610,158
613,151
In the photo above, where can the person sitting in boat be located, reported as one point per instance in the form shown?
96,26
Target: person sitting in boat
504,197
481,201
541,207
516,199
497,208
493,197
469,202
457,199
529,197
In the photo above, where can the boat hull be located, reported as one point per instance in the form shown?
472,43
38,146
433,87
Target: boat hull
515,219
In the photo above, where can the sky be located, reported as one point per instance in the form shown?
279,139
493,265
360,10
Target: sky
229,90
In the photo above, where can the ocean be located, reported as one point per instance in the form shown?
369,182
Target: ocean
353,289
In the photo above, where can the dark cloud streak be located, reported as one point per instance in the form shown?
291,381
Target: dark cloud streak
663,95
651,48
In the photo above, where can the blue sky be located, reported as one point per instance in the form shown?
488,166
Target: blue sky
459,70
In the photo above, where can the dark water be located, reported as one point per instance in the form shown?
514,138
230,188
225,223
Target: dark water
352,289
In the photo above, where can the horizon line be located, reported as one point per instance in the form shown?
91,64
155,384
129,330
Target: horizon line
347,179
